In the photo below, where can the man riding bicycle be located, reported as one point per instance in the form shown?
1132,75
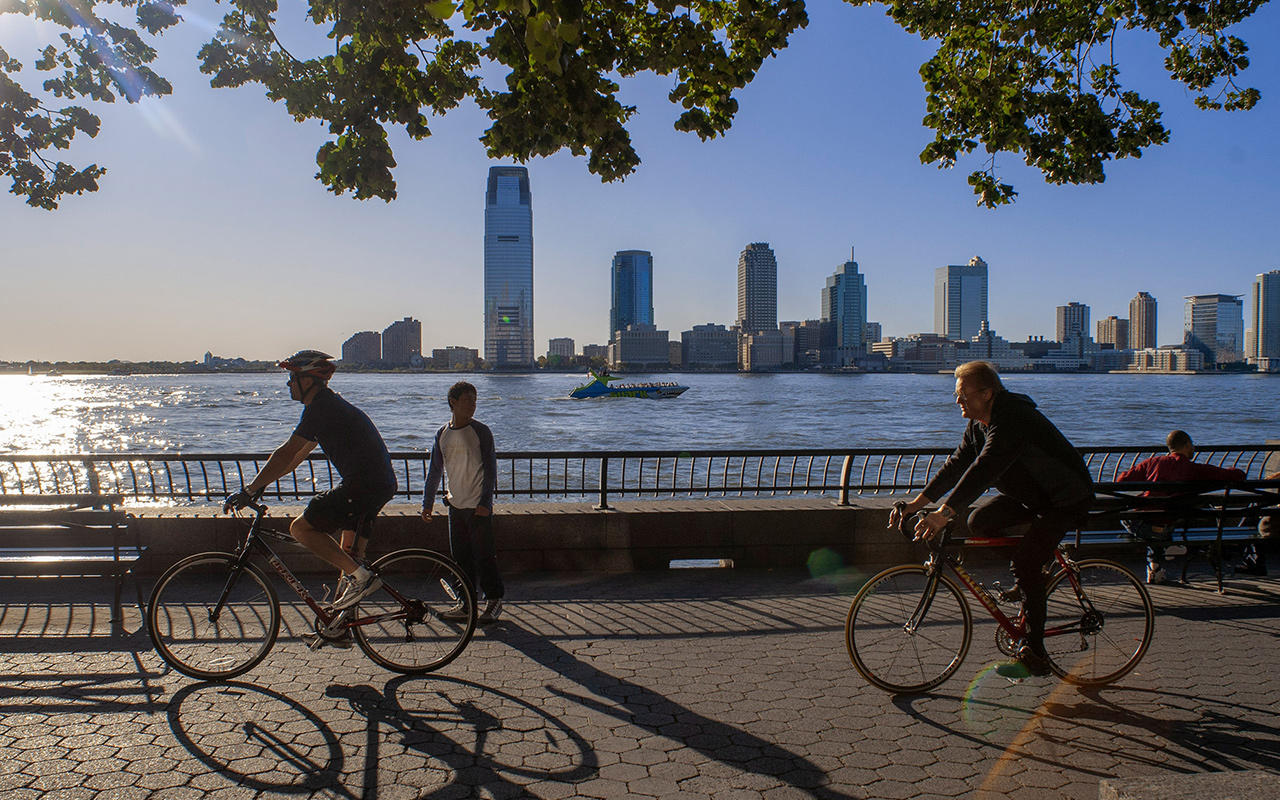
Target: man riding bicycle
1042,480
355,448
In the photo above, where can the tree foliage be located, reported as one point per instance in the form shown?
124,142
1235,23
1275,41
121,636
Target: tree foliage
1038,79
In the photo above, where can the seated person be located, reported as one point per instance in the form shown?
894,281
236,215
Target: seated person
1175,466
1254,561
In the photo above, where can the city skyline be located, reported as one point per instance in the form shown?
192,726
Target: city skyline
209,218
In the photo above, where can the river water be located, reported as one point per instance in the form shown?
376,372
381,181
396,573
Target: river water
252,413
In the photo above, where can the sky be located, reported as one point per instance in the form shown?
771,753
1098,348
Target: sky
210,232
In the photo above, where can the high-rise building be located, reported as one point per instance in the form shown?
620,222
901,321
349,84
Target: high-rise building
1214,325
401,341
960,299
1142,322
508,268
632,290
1073,318
1264,317
1114,331
362,349
757,289
844,305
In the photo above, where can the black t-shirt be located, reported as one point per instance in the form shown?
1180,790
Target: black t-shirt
349,440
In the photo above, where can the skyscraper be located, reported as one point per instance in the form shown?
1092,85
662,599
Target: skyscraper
401,341
508,268
632,290
757,289
1264,317
844,305
1073,318
1142,322
1214,324
1114,331
960,299
362,348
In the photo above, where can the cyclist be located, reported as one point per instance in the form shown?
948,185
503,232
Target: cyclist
1041,478
354,446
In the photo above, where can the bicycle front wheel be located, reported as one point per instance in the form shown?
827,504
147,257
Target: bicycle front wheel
401,627
1099,634
900,640
208,622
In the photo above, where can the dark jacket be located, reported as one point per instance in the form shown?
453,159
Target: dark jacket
1021,454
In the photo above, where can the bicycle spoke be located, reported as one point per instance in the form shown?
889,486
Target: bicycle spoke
1103,639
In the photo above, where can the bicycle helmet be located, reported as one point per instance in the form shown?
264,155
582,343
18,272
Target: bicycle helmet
310,362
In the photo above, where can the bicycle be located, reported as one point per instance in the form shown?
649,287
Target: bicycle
216,615
909,627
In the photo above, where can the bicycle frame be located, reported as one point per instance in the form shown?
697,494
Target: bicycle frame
333,620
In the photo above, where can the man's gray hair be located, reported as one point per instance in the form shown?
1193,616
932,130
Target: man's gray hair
983,373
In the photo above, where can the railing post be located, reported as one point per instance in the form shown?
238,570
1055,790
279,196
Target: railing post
91,477
604,484
844,480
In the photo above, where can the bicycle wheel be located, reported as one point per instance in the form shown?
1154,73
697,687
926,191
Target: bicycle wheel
892,653
1100,636
410,637
193,639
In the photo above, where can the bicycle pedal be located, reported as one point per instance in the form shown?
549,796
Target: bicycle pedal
314,640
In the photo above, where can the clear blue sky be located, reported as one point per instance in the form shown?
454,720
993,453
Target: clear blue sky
210,232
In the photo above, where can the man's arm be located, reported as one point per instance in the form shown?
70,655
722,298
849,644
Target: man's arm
488,457
434,471
284,460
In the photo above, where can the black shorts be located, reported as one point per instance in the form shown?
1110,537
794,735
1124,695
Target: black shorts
346,509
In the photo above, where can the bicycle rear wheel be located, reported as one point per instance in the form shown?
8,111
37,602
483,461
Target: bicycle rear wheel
410,637
196,638
1099,637
889,650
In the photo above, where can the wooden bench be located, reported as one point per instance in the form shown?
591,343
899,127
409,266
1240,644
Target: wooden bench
69,535
1201,515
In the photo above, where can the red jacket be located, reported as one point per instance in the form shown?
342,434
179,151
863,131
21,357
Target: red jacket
1177,467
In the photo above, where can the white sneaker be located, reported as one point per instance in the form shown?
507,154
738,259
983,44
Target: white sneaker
1175,550
357,589
491,612
1155,574
458,613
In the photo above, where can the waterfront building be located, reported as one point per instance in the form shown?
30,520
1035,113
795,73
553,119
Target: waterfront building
1073,318
595,351
362,349
508,269
709,345
640,346
1114,331
757,289
1264,320
920,352
454,357
560,347
632,282
761,351
987,346
874,331
803,341
1142,322
960,299
402,342
1075,352
675,353
1170,358
1214,324
844,305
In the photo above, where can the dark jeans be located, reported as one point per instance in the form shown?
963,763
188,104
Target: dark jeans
471,544
1045,529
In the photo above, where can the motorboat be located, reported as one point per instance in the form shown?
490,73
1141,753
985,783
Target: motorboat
602,384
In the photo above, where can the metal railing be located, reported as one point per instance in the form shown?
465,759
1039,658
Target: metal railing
571,475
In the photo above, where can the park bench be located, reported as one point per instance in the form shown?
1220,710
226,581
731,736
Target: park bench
1201,515
69,535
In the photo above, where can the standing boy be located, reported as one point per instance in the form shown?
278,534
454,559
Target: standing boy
463,451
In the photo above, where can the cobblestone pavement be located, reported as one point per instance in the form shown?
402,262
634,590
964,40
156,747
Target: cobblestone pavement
689,683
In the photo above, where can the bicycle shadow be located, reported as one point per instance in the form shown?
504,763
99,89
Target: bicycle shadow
645,708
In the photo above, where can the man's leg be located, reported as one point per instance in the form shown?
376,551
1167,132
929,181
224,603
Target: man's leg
460,542
487,559
322,544
1029,561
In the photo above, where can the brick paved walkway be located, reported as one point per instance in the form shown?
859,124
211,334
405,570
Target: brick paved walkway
725,684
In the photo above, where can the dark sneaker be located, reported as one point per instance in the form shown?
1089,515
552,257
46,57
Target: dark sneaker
356,590
458,613
491,612
1029,664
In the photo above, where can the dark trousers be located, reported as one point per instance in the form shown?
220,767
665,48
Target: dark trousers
471,545
1044,530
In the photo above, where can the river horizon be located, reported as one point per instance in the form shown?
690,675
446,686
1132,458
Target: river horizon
252,412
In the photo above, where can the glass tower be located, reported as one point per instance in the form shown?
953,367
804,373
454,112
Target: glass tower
1265,317
632,290
508,268
1214,323
844,305
960,299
